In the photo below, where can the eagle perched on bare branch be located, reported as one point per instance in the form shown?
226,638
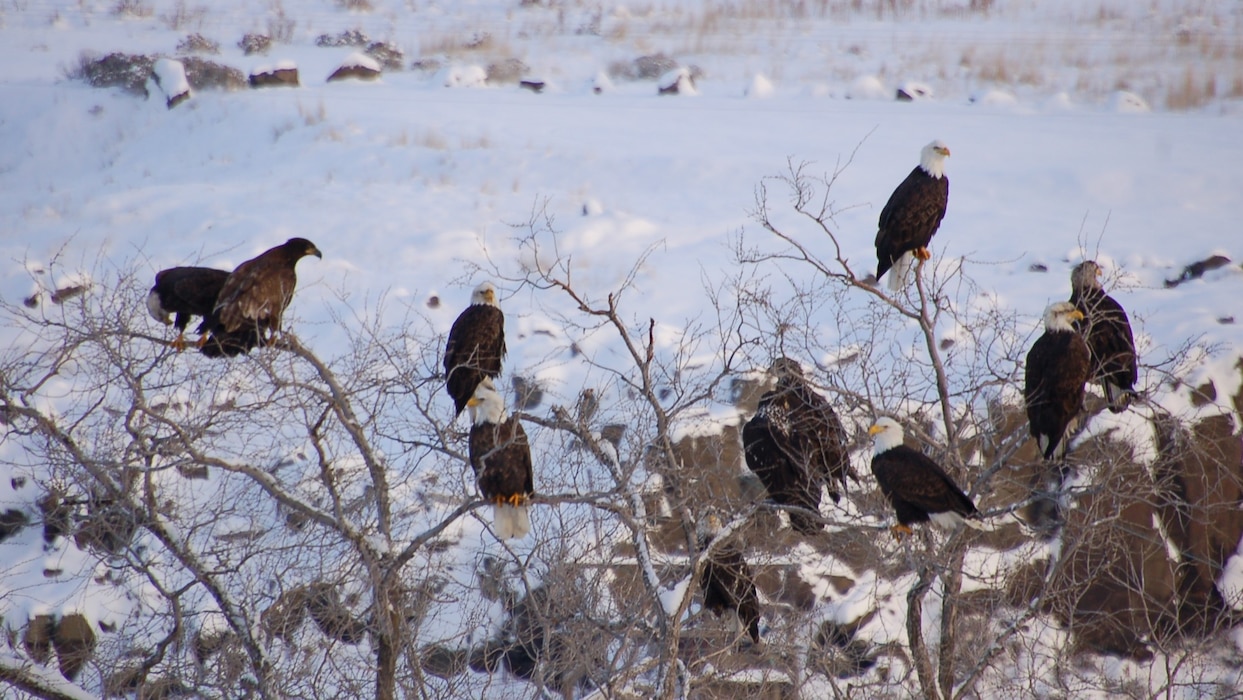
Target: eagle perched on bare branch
185,292
253,299
795,443
475,347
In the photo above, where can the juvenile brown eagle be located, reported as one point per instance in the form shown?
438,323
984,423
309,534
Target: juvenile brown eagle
1058,367
912,215
1107,331
501,458
727,582
795,443
476,346
917,487
185,292
253,299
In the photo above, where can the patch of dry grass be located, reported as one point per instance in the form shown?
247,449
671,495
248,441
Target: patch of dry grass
1192,91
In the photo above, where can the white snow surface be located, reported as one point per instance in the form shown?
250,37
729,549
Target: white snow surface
405,185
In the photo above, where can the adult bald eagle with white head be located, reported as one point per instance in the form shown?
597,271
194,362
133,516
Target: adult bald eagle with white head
912,215
917,487
476,346
1058,368
500,454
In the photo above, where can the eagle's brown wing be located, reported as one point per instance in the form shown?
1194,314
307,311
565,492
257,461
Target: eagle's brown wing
256,294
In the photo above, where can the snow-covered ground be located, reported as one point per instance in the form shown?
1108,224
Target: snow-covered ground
407,185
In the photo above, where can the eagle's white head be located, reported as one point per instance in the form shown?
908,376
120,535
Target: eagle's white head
932,158
486,405
886,434
1086,275
1061,316
484,294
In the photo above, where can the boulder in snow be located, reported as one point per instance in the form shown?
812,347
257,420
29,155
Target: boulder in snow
911,91
359,66
284,73
170,75
676,82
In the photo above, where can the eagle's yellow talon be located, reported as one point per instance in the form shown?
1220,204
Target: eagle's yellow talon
899,531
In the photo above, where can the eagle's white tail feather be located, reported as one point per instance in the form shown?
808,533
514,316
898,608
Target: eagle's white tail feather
511,522
900,271
949,519
976,524
1117,398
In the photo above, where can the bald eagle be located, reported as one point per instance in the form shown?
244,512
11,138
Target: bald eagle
1058,367
476,346
254,298
917,487
795,443
186,292
727,581
501,458
912,215
1107,330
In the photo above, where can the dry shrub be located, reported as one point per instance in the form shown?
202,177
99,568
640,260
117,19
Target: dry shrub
183,16
132,8
1192,91
197,43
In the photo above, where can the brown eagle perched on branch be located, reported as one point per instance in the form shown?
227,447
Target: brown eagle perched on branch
476,346
795,443
1058,368
185,292
501,457
917,487
253,299
727,582
912,215
1107,331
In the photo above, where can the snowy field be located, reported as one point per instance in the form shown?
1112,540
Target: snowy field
415,190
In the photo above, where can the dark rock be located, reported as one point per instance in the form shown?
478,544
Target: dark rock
37,639
354,71
677,82
11,522
1038,267
1197,269
536,86
75,642
64,294
275,77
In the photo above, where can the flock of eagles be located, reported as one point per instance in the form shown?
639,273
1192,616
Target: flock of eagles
795,443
